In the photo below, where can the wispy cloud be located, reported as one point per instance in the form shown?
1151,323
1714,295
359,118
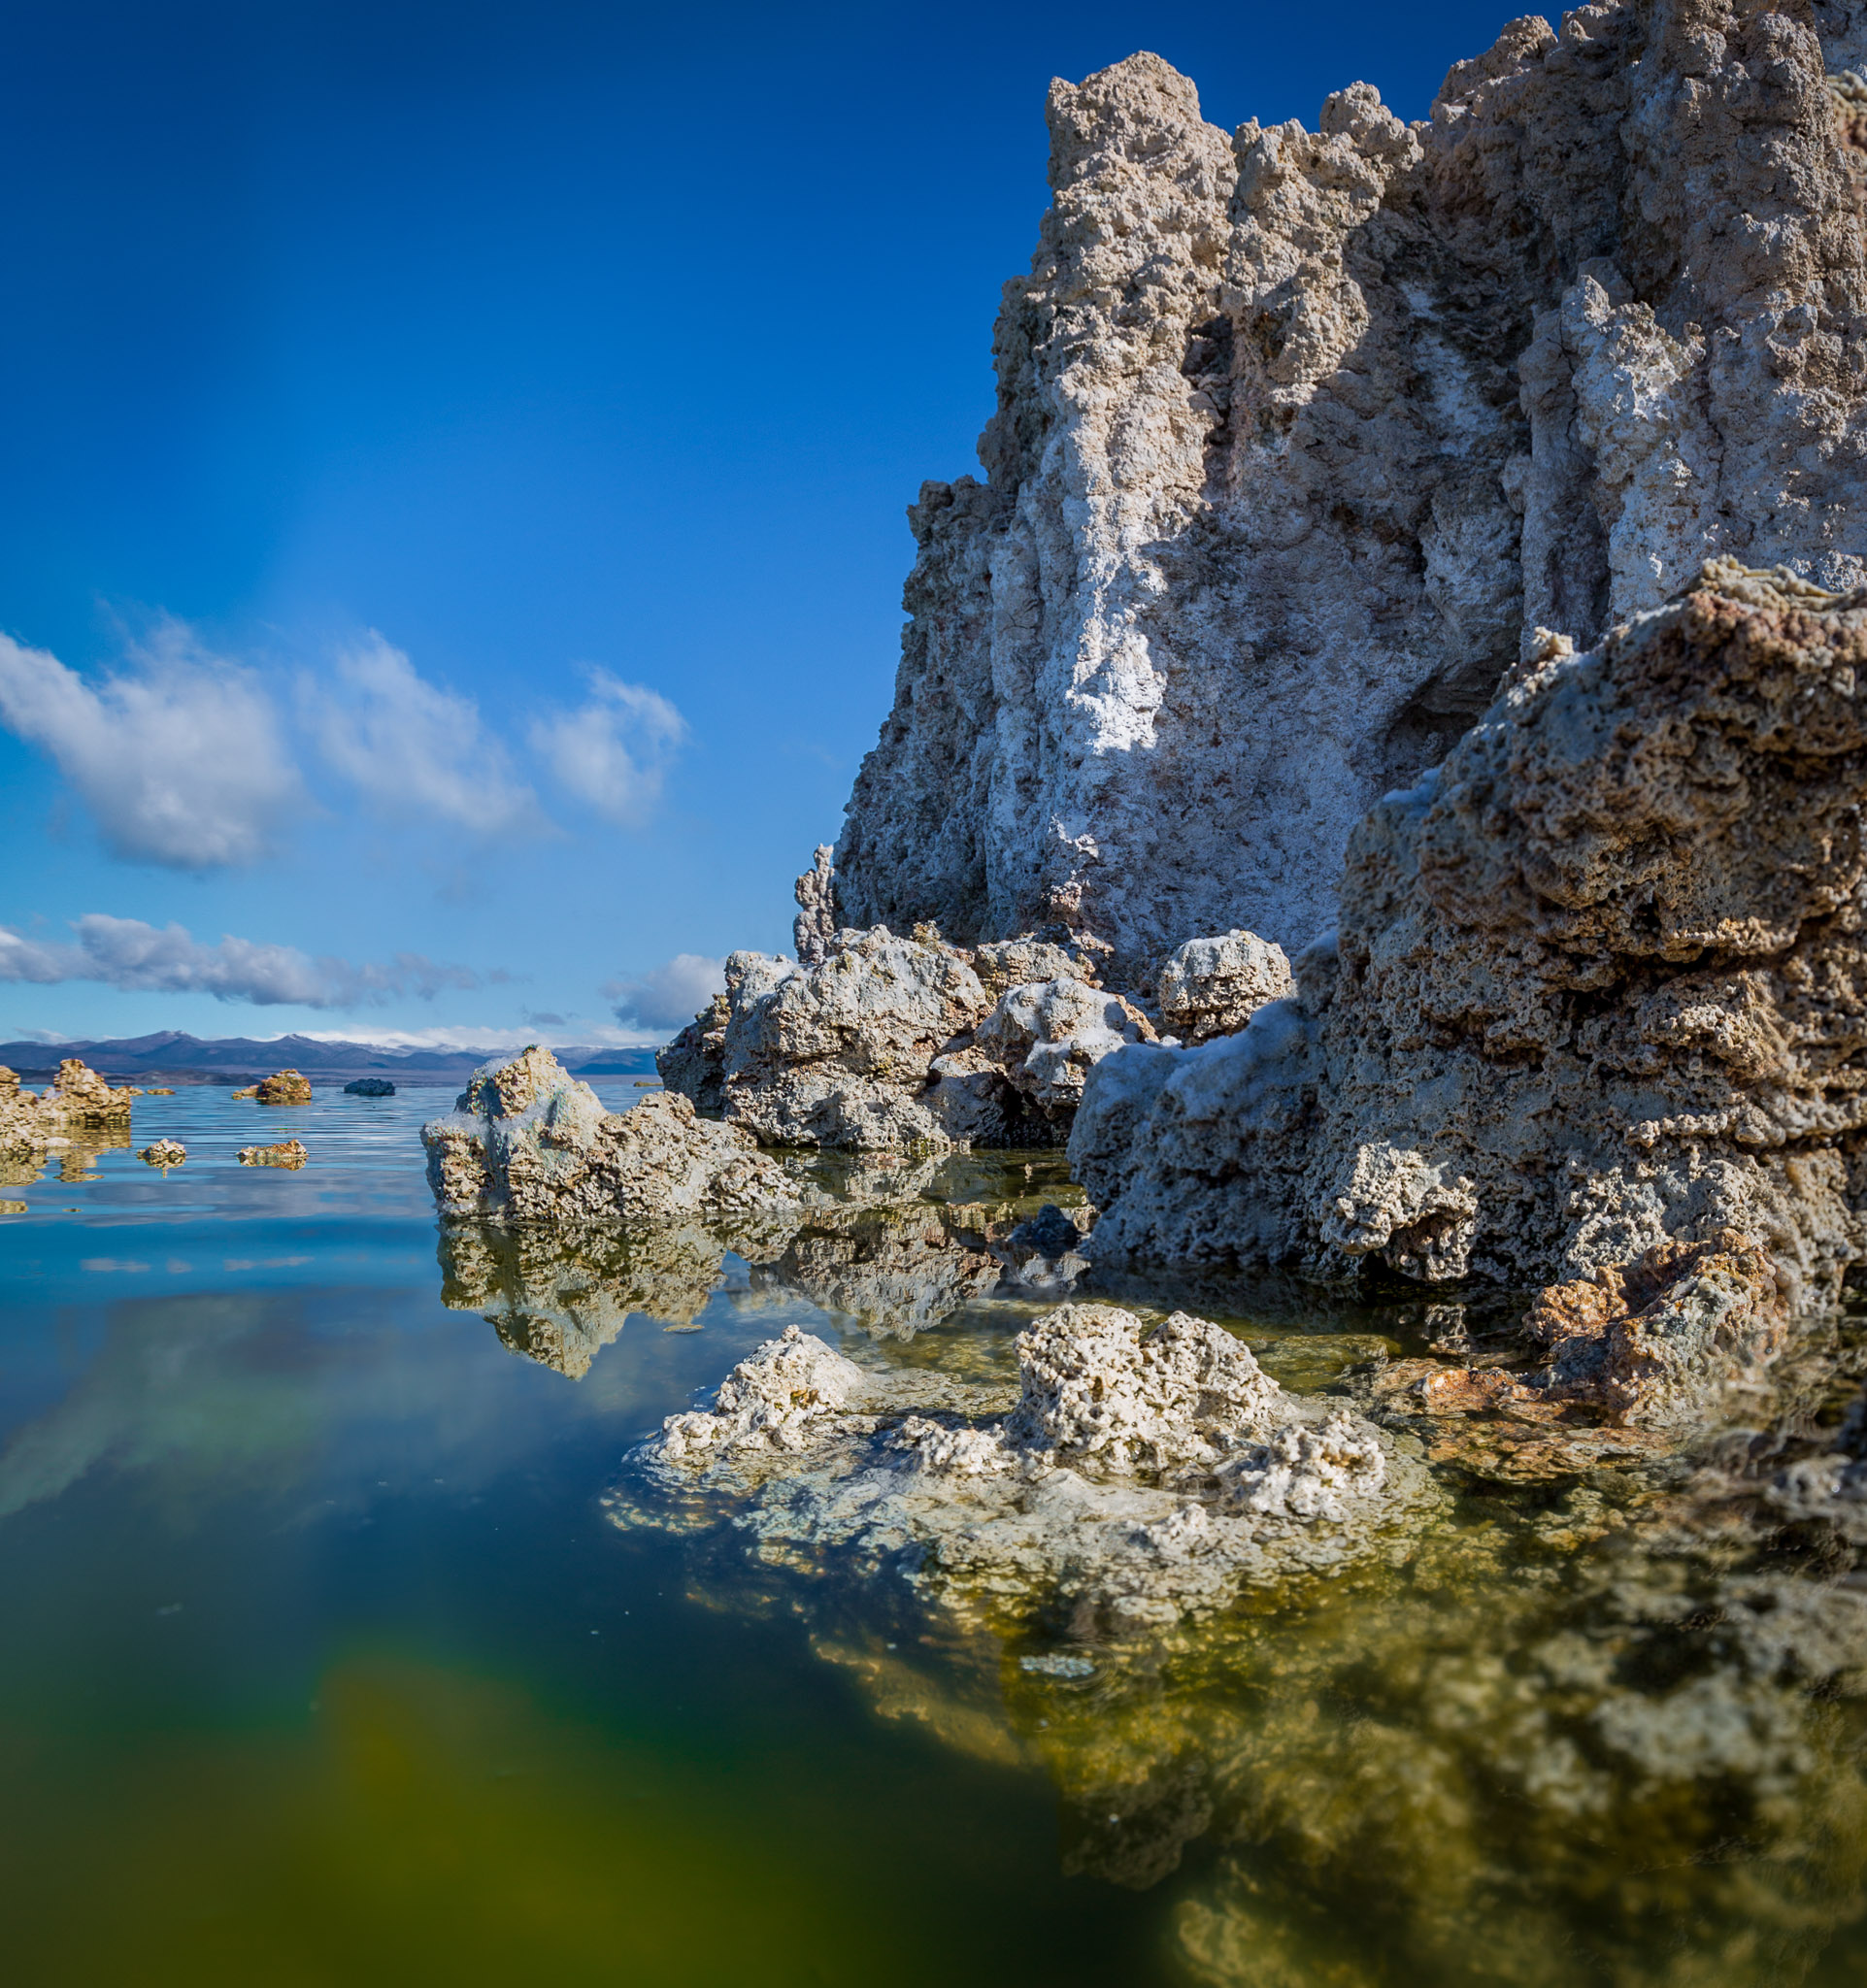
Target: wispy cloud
670,995
612,751
129,954
178,757
411,747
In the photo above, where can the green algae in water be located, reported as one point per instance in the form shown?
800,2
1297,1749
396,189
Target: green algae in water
320,1664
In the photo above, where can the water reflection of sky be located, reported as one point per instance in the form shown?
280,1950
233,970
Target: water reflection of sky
321,1661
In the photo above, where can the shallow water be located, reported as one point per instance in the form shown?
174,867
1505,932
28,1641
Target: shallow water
321,1660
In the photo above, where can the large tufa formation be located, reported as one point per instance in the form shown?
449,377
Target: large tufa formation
1303,437
1140,1474
1600,990
528,1143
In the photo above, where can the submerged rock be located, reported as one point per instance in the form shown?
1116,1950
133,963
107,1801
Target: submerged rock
528,1143
1139,1476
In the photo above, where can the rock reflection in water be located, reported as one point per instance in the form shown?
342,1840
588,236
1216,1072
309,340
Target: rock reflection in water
896,1244
75,1155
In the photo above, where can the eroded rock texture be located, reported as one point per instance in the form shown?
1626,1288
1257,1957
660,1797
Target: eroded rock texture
887,1042
34,1124
1597,993
528,1143
1140,1475
1302,437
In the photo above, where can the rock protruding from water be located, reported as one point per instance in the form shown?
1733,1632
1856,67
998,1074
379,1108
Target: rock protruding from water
528,1143
78,1101
164,1153
281,1087
1142,1473
370,1088
290,1153
1304,434
894,1042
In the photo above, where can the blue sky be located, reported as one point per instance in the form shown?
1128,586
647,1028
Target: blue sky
455,467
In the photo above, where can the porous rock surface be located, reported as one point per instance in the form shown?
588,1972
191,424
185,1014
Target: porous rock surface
1140,1474
1597,991
1304,437
528,1143
890,1042
289,1153
164,1153
1213,987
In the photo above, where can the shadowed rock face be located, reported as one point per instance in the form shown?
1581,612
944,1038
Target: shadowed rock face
1303,436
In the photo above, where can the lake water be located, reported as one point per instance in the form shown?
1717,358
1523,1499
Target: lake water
324,1661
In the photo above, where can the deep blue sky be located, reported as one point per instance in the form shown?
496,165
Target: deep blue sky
535,338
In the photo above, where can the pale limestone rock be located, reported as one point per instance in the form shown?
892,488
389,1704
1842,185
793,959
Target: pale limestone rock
815,926
78,1101
527,1143
1305,437
769,1402
1213,987
1047,1036
1143,1475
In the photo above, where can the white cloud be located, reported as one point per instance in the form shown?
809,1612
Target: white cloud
669,996
611,752
129,954
496,1039
179,758
411,747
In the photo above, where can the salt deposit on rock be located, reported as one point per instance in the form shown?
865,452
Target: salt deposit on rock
1141,1474
1303,436
1213,987
527,1143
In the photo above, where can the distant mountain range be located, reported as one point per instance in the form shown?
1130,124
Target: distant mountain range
238,1060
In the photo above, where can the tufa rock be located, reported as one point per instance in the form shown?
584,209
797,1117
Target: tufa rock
901,1042
164,1153
1213,987
289,1152
1305,437
282,1087
814,925
527,1143
1140,1477
370,1088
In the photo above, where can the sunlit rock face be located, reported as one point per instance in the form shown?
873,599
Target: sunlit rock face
1303,436
528,1143
886,1042
76,1115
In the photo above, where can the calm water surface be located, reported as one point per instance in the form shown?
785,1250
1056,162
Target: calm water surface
322,1663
